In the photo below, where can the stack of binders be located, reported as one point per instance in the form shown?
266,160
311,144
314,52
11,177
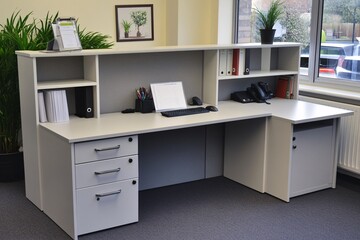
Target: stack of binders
234,62
54,104
225,62
285,87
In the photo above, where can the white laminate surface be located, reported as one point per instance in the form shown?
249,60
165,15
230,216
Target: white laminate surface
119,124
300,111
89,52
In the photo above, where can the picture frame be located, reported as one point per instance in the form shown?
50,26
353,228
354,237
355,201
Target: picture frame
134,22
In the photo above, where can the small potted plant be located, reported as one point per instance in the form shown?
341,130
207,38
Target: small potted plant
139,18
126,25
268,19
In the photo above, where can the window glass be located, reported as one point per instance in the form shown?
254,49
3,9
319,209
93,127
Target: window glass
339,54
294,27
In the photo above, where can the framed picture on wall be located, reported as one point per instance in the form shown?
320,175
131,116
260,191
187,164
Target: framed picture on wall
134,22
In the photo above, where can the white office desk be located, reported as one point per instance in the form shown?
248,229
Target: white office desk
253,144
252,155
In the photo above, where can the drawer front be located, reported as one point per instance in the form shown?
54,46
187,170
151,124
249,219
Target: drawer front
105,149
106,171
107,206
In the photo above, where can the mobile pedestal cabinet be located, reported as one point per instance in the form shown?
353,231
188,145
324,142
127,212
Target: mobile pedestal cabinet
90,185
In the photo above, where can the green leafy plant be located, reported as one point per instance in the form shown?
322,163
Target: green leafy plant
268,19
94,40
23,33
126,25
139,18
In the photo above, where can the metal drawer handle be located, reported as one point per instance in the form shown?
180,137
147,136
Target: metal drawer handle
107,171
100,195
107,149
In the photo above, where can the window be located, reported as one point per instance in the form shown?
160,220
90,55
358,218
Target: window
329,31
295,26
340,22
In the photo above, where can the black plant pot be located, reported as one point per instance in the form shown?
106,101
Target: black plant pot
11,167
267,36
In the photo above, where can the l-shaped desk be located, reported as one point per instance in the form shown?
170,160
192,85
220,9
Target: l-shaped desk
259,152
85,174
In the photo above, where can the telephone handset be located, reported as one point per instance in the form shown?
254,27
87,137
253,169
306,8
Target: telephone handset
265,87
257,93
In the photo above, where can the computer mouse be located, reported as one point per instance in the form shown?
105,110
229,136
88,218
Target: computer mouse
196,101
212,108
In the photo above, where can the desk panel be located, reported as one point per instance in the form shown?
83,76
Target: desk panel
171,157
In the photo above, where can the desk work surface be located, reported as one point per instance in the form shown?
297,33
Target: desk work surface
119,124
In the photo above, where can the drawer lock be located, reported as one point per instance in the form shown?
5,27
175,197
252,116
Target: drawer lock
100,195
107,171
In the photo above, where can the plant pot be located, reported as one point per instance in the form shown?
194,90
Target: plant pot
267,36
126,34
11,167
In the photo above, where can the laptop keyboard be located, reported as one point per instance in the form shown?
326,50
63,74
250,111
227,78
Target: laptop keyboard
183,112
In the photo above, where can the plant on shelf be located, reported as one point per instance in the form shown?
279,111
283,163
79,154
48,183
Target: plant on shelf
23,33
139,18
268,19
126,25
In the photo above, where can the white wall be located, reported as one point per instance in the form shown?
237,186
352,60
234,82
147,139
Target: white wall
195,22
199,22
93,15
176,22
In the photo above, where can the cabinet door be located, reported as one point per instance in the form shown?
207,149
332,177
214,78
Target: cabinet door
312,165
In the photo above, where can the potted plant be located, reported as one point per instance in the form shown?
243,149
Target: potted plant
268,19
19,33
126,25
139,18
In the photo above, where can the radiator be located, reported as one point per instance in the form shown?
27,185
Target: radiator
349,139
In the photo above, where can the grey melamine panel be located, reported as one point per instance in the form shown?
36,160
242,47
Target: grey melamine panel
120,75
255,59
171,157
274,59
60,68
244,152
214,150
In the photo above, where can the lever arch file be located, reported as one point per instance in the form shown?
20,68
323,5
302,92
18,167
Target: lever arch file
84,103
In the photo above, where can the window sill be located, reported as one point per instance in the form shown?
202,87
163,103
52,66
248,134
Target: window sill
327,93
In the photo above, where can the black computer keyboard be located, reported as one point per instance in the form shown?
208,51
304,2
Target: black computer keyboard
183,112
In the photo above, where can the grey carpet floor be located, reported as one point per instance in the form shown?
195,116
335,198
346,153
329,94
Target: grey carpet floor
215,208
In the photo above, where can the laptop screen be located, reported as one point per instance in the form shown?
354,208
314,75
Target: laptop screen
168,96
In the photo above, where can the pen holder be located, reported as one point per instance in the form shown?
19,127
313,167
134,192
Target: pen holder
144,106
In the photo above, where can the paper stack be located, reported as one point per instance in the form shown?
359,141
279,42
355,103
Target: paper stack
55,106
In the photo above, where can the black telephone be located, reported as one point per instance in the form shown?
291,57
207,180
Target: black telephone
265,87
259,92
